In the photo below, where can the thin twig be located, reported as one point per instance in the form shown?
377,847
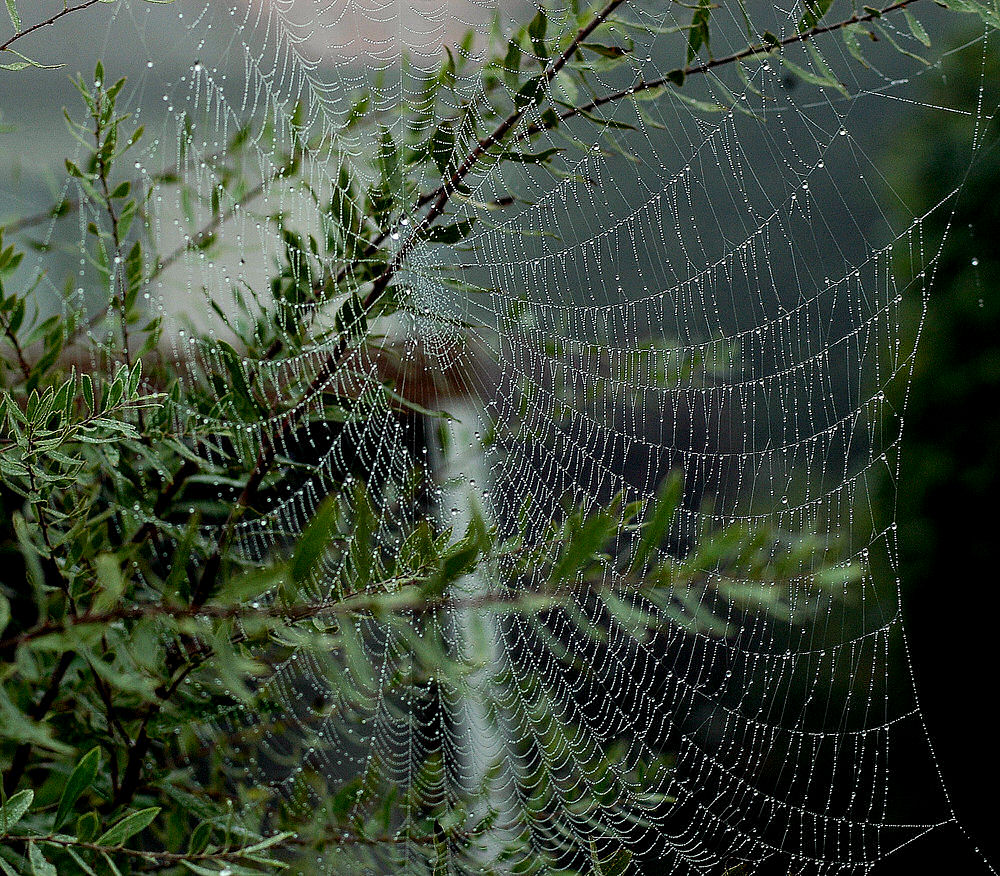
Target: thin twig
750,51
66,10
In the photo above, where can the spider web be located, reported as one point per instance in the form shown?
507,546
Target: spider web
715,289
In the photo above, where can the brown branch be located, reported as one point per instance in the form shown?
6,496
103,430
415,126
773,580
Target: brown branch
750,51
349,604
66,10
236,856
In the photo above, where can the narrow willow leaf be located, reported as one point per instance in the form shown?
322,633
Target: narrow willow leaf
815,10
916,28
79,780
541,157
314,540
87,826
451,233
536,32
850,36
14,809
668,500
14,17
40,865
130,825
82,864
200,837
811,77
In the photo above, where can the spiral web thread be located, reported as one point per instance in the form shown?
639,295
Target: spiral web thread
727,305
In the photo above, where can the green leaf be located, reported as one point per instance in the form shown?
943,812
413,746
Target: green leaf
351,319
39,865
111,580
815,10
314,540
268,843
14,17
542,157
87,826
389,164
536,32
916,28
531,92
82,864
26,62
80,779
605,51
13,810
698,35
850,35
668,500
199,838
130,825
820,78
614,864
443,146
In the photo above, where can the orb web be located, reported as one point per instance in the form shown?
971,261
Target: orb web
705,279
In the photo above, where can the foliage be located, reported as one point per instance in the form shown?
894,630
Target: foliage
126,621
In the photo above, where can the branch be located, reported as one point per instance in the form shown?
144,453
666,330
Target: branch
234,857
66,10
751,50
